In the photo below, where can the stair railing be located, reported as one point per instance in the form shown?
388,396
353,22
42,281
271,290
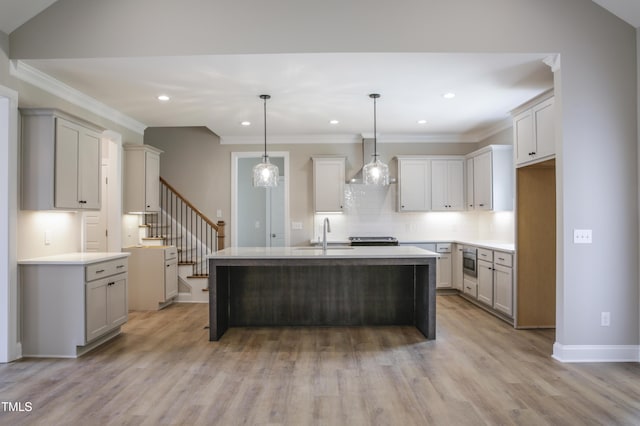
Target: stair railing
182,224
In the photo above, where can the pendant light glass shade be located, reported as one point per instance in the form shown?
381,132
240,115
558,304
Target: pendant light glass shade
265,174
375,172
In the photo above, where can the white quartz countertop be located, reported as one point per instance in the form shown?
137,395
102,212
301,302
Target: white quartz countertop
491,245
314,252
73,258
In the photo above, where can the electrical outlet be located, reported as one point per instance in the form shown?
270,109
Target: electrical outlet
605,319
47,238
582,236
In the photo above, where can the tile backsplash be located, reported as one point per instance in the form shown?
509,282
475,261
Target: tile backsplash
371,211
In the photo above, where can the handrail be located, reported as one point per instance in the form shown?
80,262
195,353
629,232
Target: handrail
192,207
182,224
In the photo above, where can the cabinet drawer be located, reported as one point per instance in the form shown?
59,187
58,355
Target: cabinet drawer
471,288
105,269
501,258
443,248
484,254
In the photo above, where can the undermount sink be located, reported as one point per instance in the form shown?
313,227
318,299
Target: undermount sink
328,248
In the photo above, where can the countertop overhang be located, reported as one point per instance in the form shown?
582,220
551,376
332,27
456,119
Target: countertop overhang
73,258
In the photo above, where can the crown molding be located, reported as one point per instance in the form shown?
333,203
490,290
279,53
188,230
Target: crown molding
298,139
483,134
31,75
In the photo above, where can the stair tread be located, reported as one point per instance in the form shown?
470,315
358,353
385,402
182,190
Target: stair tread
198,276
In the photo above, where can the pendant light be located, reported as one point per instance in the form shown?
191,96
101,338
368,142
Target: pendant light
375,172
265,174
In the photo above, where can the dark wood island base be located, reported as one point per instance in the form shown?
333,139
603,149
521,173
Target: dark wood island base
329,290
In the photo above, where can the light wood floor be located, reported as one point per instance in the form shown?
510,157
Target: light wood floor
163,370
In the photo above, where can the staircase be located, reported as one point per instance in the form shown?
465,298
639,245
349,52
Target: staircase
181,224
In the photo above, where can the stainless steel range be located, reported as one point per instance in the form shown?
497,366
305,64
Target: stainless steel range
373,241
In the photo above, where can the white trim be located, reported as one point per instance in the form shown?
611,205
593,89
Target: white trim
31,75
596,353
10,347
553,61
234,189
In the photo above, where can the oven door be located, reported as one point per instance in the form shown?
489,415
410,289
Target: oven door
470,263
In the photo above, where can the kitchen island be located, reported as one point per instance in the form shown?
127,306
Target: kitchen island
307,286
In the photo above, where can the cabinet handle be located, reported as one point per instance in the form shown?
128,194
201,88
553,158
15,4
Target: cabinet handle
501,258
481,205
119,266
100,271
112,283
169,265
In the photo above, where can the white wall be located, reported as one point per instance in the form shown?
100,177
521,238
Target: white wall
596,89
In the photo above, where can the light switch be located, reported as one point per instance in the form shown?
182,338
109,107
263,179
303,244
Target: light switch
296,225
47,238
582,236
219,213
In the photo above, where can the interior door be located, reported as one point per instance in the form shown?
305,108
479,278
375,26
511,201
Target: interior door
275,215
95,221
261,211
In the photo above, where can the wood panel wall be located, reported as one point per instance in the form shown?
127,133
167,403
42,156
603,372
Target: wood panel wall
536,257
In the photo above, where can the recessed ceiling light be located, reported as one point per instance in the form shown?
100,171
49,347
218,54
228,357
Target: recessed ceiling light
422,121
333,122
245,123
449,95
163,98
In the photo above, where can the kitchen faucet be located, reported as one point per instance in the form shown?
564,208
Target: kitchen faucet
326,227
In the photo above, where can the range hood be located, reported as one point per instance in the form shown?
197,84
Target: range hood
357,178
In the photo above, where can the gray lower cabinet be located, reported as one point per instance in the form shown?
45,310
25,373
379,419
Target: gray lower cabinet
69,309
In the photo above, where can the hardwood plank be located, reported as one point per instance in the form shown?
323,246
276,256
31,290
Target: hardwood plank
163,370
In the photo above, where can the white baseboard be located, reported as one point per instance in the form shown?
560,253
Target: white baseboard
596,353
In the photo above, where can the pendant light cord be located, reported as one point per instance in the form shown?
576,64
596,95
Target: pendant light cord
265,97
375,96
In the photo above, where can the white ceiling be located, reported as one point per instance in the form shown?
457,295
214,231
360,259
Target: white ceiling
308,90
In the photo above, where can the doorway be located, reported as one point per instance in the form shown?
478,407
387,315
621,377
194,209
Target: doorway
259,215
536,256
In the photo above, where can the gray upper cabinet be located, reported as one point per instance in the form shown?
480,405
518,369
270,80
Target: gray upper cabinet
534,132
141,178
328,184
60,161
490,178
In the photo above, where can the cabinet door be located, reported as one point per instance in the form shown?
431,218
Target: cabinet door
543,117
455,184
443,271
66,165
89,170
439,198
523,136
415,188
96,314
328,184
485,282
482,182
457,276
503,289
117,305
152,182
170,280
470,177
447,185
